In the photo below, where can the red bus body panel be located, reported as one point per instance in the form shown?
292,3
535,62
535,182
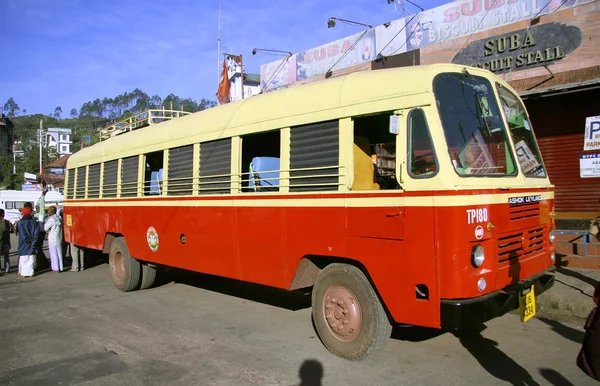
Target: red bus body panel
400,246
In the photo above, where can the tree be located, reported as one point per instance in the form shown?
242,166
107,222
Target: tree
73,113
11,108
57,112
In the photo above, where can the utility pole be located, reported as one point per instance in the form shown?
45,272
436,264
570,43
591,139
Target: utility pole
40,144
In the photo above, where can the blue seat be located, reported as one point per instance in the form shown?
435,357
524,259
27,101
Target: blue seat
264,174
156,182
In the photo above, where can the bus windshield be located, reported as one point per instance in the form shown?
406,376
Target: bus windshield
526,147
474,130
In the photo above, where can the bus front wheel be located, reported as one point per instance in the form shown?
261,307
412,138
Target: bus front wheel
347,314
124,269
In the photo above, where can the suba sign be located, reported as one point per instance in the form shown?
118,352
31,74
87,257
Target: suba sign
532,47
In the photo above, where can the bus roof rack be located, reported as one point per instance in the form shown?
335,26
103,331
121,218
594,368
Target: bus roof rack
140,120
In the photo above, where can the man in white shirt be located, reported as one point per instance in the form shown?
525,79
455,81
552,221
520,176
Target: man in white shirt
53,225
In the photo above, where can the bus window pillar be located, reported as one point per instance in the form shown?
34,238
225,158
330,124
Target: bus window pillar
196,170
141,180
164,182
284,161
346,154
236,165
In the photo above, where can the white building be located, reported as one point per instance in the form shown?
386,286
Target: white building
251,81
60,139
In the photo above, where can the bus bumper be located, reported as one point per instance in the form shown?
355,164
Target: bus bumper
458,314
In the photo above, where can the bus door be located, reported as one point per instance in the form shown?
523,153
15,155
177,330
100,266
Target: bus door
419,176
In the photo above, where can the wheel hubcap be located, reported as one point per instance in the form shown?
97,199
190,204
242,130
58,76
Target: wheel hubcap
119,265
342,313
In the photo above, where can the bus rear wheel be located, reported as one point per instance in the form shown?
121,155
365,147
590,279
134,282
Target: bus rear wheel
347,314
148,276
124,269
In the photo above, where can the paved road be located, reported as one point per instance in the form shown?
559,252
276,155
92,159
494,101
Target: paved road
77,329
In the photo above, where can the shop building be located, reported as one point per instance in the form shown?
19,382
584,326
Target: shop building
547,50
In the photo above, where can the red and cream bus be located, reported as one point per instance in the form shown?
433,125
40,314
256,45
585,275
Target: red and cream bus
414,195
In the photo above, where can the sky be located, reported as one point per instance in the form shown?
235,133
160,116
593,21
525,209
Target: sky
67,52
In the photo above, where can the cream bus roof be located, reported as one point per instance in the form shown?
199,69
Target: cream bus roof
324,100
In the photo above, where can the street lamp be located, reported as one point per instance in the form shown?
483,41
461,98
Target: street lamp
287,53
331,22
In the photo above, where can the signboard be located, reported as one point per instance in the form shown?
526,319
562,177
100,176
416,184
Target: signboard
475,156
463,18
527,160
59,130
31,187
57,170
526,48
592,133
589,165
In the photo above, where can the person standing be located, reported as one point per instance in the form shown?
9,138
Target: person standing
53,226
588,359
28,231
77,255
41,259
5,227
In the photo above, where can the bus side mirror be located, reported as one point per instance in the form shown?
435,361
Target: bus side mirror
394,124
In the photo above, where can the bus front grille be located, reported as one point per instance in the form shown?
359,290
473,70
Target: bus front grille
516,245
523,211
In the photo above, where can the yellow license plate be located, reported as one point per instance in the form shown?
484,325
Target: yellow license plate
527,304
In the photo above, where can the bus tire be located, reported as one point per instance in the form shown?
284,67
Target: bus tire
124,269
148,276
347,313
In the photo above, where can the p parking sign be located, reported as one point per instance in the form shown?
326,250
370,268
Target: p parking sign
592,133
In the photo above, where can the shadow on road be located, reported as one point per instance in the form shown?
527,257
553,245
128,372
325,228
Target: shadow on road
554,377
415,333
493,360
565,271
80,369
291,300
565,331
311,373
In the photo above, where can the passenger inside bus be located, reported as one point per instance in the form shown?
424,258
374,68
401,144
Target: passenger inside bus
374,154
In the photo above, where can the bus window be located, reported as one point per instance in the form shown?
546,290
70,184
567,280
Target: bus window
80,187
154,173
215,167
374,153
109,179
528,153
422,161
94,181
476,136
129,176
314,157
260,162
181,170
9,205
70,183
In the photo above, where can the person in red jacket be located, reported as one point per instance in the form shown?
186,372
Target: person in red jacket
588,359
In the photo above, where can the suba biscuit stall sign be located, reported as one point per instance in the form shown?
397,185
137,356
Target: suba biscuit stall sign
592,133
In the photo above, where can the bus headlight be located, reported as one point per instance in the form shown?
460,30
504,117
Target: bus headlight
551,236
477,255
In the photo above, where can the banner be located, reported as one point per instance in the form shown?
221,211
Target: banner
336,55
462,18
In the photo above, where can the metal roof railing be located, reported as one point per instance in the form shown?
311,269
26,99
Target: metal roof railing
140,120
